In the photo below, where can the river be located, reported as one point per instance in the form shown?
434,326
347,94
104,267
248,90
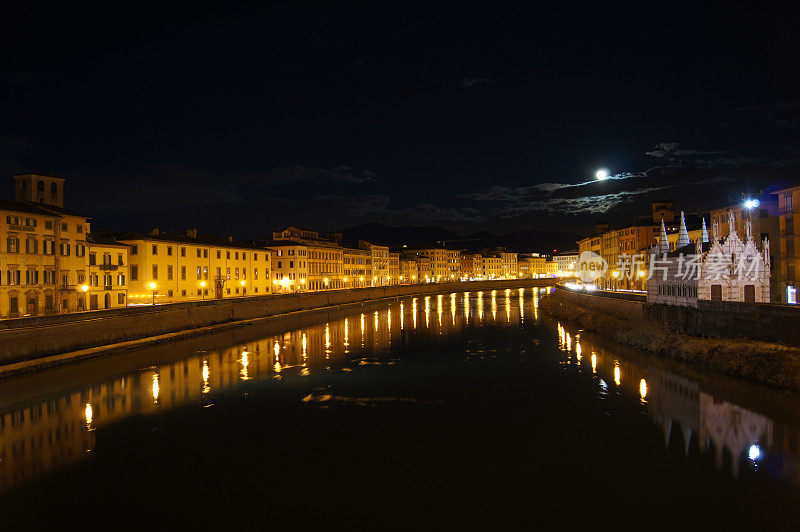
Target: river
445,410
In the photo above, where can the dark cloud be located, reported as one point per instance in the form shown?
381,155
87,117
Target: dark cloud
472,82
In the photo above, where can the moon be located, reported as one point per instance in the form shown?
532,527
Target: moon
601,174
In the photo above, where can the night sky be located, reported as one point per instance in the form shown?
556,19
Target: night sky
240,121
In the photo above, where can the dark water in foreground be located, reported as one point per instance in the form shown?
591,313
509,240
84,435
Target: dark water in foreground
461,409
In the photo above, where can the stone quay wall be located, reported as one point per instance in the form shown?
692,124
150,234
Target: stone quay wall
770,322
30,338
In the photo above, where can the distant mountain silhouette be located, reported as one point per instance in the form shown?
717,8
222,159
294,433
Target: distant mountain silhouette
524,241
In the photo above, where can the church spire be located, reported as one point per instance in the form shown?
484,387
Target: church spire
683,234
663,245
704,236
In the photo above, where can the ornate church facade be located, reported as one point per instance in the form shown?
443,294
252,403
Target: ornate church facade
729,269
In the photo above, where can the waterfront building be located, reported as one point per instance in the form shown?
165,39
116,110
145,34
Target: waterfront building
493,266
357,268
380,262
510,265
731,269
762,212
566,263
107,283
445,263
394,268
425,268
170,267
789,231
409,270
43,250
471,265
303,260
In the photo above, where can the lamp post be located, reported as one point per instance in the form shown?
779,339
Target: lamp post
85,288
153,288
203,289
243,288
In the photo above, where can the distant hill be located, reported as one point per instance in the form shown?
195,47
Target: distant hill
417,237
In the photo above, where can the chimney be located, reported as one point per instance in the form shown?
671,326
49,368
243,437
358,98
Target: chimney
192,233
155,231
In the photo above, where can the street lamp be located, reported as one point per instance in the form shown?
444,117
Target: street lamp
243,283
153,288
325,280
203,289
84,288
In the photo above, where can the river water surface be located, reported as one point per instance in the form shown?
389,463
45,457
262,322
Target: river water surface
449,410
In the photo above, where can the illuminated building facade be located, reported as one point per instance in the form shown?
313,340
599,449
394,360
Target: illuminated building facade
174,267
493,266
107,282
789,231
43,249
445,263
357,268
510,265
471,265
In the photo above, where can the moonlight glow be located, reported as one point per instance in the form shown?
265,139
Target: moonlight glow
601,174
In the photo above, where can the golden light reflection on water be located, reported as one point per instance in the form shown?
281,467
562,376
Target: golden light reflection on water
205,375
439,309
427,310
245,362
494,305
83,409
508,305
88,415
156,387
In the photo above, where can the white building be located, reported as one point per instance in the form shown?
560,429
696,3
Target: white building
711,269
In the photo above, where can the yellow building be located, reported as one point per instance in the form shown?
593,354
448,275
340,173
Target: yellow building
319,265
471,265
493,266
445,263
380,262
425,268
107,284
394,268
43,251
409,271
510,266
174,267
357,268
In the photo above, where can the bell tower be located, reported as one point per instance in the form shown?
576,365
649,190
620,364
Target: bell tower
38,188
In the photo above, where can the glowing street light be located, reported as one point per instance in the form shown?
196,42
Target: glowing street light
203,289
153,288
751,203
601,174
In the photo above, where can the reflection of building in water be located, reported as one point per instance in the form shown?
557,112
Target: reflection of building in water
47,432
728,427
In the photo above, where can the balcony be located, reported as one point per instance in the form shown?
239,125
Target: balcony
786,210
108,267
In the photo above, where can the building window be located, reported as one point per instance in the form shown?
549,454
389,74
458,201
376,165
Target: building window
169,251
183,293
134,249
199,273
228,255
219,254
169,272
121,299
199,253
155,249
183,273
205,273
92,259
12,244
155,272
183,252
134,272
